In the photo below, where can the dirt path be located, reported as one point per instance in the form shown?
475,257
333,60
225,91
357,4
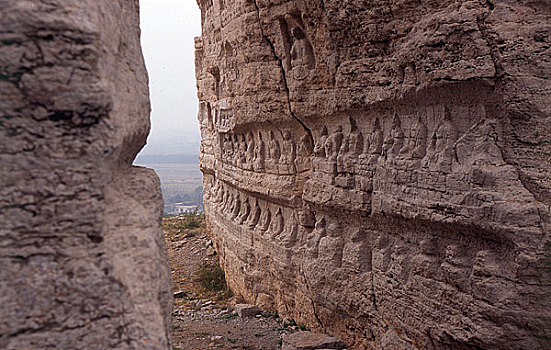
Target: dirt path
203,310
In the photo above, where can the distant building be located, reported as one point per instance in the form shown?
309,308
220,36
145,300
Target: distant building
180,208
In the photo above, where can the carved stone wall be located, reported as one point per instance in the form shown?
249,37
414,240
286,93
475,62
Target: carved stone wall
83,262
380,170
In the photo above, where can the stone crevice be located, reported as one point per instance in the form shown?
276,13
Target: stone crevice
283,74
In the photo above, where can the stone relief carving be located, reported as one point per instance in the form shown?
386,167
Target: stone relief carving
288,152
245,211
479,145
265,219
274,151
302,54
250,155
319,149
277,224
279,156
224,120
395,140
289,238
260,154
415,145
347,159
440,148
304,153
374,146
299,53
333,144
351,149
314,237
418,155
331,245
255,217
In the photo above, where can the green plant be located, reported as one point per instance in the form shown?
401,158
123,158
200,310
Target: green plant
229,316
224,294
211,278
190,221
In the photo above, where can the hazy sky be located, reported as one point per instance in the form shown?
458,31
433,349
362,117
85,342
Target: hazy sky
168,31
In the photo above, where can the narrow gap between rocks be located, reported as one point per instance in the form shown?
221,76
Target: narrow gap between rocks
204,315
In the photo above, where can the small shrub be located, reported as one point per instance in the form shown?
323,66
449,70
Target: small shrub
211,278
188,222
229,316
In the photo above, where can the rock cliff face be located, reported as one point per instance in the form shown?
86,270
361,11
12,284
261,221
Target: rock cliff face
82,257
380,169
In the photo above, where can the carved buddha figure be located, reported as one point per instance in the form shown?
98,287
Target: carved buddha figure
479,145
260,153
396,138
291,231
236,149
250,149
242,156
486,150
352,146
245,211
302,54
265,219
376,140
236,206
355,140
415,145
446,135
319,149
333,144
255,217
229,201
228,146
274,148
214,192
313,238
303,153
277,224
288,151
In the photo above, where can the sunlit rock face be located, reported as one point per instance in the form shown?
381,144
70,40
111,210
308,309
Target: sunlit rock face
82,257
380,170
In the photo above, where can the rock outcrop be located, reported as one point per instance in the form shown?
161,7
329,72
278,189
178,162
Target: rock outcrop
380,169
83,262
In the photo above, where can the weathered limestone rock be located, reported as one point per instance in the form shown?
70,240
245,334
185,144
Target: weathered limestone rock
310,341
82,257
246,310
394,157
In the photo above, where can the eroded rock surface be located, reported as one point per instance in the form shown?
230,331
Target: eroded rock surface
380,170
83,261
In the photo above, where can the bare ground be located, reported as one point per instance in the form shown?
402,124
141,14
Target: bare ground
203,309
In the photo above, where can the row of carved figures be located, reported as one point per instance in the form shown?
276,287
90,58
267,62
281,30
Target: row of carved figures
251,212
404,141
277,153
411,143
318,237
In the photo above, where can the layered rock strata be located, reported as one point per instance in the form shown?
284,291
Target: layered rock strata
379,170
82,257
